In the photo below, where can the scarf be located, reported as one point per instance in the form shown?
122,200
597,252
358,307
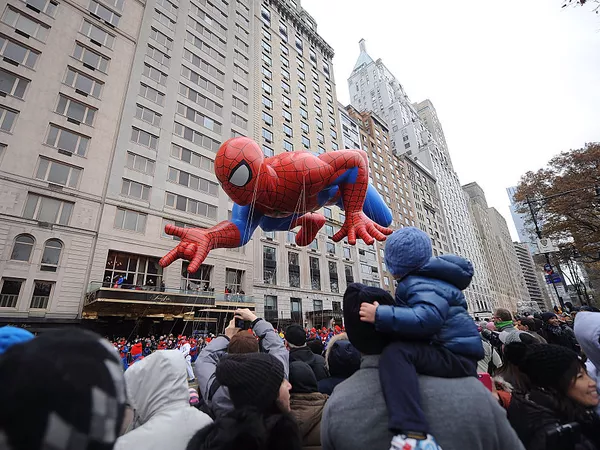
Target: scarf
506,323
557,331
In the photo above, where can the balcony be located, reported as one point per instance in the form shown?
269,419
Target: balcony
130,300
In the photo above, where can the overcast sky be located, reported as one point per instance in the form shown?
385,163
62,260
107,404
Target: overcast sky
514,82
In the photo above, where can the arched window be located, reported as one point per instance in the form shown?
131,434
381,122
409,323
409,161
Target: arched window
23,246
51,255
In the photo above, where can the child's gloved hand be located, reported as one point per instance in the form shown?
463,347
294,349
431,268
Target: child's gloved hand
367,312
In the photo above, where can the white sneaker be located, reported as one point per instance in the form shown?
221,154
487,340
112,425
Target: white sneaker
401,442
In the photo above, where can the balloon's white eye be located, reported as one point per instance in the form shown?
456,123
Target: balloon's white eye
241,175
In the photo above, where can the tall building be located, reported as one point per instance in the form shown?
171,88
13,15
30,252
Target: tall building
416,132
63,77
406,185
519,219
508,287
132,101
530,274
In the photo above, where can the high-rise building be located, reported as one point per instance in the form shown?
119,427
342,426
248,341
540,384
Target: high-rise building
415,131
407,186
508,286
530,274
64,73
117,109
519,219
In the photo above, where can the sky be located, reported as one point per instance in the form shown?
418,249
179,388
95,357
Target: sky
514,82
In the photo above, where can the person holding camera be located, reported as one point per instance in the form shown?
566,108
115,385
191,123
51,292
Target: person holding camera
263,338
556,410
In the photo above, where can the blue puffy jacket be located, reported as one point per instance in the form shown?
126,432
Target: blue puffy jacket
431,306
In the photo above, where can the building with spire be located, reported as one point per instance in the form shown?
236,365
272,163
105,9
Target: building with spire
416,133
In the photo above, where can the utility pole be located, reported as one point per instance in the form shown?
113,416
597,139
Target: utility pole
538,232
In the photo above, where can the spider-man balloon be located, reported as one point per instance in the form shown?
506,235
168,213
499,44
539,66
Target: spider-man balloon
283,192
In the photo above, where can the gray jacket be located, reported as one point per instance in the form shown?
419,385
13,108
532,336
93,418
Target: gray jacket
462,414
206,364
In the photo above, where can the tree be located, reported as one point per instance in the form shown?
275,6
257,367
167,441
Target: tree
595,8
565,198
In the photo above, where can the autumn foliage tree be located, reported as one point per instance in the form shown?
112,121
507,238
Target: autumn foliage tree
565,197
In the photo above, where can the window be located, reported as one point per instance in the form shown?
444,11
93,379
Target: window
286,101
97,35
267,118
299,45
239,121
296,310
320,138
301,75
23,247
333,277
327,212
138,270
152,94
46,209
165,4
191,206
286,115
25,25
302,99
58,173
283,31
7,119
17,53
305,142
317,98
271,313
77,112
9,294
313,56
46,6
90,59
300,62
267,73
285,74
386,281
287,146
202,65
301,86
126,219
266,34
330,248
284,61
199,118
144,138
155,74
234,280
267,60
192,158
158,56
267,87
240,71
315,273
333,134
287,130
163,19
11,84
83,84
265,46
349,274
329,230
269,265
67,141
51,255
268,151
285,86
147,115
193,182
268,103
135,190
161,38
238,87
303,113
320,150
140,164
319,124
294,269
207,103
267,135
104,13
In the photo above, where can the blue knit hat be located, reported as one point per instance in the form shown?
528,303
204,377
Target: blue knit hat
407,250
13,335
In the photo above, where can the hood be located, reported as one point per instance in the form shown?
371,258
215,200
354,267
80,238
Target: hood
303,354
587,332
158,382
343,360
338,337
302,378
307,409
449,268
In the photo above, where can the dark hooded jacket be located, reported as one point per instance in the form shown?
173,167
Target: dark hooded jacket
342,359
307,404
430,305
316,362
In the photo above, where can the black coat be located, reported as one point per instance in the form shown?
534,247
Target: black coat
566,338
316,362
533,418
